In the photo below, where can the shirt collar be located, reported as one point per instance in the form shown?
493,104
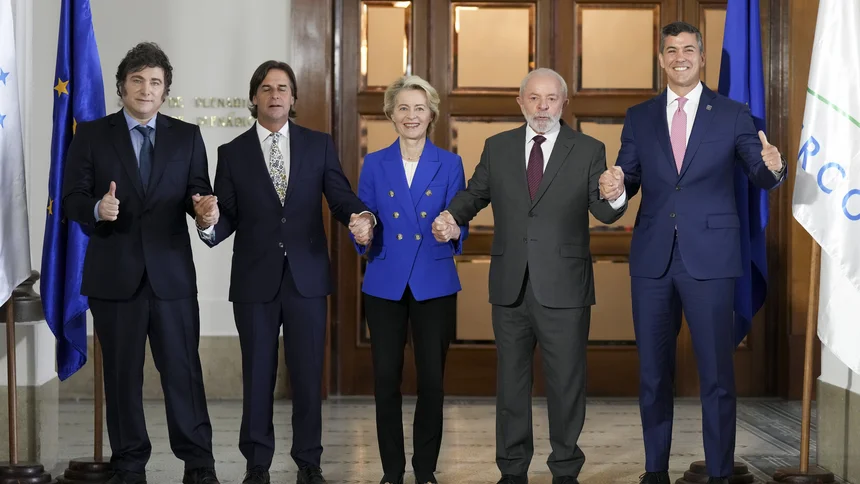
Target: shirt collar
551,134
133,123
692,96
263,133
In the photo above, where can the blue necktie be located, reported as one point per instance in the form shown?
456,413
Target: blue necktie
144,158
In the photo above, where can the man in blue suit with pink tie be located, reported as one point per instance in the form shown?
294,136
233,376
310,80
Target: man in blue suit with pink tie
681,148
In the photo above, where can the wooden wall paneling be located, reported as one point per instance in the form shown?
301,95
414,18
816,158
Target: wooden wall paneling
312,62
799,243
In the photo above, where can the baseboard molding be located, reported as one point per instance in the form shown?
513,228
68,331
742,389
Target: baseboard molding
220,358
838,439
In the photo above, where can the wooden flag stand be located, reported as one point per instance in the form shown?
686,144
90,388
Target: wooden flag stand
14,472
803,474
95,469
697,474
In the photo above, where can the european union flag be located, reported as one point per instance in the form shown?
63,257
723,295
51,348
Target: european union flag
78,96
742,79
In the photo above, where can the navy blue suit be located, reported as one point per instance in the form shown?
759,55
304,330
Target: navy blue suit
140,279
410,280
685,253
280,275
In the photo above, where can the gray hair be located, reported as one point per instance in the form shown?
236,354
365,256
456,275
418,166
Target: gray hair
414,83
545,71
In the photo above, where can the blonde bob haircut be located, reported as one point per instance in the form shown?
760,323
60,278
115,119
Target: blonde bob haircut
413,83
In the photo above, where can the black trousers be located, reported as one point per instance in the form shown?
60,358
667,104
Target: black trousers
432,324
173,329
259,326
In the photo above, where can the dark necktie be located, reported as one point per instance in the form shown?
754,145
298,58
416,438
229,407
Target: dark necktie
534,171
144,158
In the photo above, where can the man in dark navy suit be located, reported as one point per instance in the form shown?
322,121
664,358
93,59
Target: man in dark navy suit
681,149
269,183
130,177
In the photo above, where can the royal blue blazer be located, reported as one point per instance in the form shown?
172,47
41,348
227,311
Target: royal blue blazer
403,251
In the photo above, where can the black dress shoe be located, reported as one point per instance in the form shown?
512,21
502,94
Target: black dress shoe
564,480
511,479
126,477
425,479
256,475
718,480
661,477
392,480
203,475
310,475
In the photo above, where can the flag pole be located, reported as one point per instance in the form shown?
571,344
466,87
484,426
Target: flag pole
803,474
96,469
98,394
15,471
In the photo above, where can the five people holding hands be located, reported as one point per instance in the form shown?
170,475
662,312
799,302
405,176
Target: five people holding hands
133,176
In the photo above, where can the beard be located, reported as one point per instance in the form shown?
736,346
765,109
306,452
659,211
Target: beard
543,124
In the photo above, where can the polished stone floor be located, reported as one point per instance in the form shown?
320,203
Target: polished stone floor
768,438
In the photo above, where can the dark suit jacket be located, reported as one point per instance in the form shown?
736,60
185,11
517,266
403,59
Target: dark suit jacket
700,201
151,232
549,235
250,207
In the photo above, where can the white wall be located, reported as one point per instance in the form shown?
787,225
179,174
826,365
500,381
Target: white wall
834,372
214,47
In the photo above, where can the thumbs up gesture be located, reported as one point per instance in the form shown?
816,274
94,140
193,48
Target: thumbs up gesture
770,154
109,206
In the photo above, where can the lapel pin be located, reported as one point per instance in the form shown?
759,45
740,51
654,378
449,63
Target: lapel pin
708,107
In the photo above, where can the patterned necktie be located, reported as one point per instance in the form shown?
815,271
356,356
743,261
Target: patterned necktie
678,134
276,167
144,158
534,171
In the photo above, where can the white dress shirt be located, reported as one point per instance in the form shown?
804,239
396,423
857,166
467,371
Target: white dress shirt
690,108
547,146
410,167
266,138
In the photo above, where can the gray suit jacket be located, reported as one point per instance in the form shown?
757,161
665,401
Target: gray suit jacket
549,234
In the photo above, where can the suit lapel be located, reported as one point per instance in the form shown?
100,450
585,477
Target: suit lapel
516,151
428,165
297,149
704,115
563,144
163,142
256,165
392,165
122,143
658,111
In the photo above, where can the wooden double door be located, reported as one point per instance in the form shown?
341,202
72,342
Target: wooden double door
475,54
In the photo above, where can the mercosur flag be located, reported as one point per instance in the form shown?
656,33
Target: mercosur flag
827,188
14,228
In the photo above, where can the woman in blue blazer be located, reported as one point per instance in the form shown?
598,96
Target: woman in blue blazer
410,277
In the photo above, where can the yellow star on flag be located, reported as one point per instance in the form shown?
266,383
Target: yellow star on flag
51,207
74,125
62,87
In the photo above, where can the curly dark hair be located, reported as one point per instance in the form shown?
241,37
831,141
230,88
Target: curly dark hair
260,75
141,56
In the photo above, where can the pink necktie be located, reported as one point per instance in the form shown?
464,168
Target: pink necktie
678,133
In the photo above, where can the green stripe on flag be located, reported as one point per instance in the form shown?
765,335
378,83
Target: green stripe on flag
835,107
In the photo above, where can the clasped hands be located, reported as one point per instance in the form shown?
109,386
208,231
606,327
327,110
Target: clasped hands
445,228
361,227
612,183
205,210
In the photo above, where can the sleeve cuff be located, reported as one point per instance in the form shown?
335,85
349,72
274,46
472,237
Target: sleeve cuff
619,202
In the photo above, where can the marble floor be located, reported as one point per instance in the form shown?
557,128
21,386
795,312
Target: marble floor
768,437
